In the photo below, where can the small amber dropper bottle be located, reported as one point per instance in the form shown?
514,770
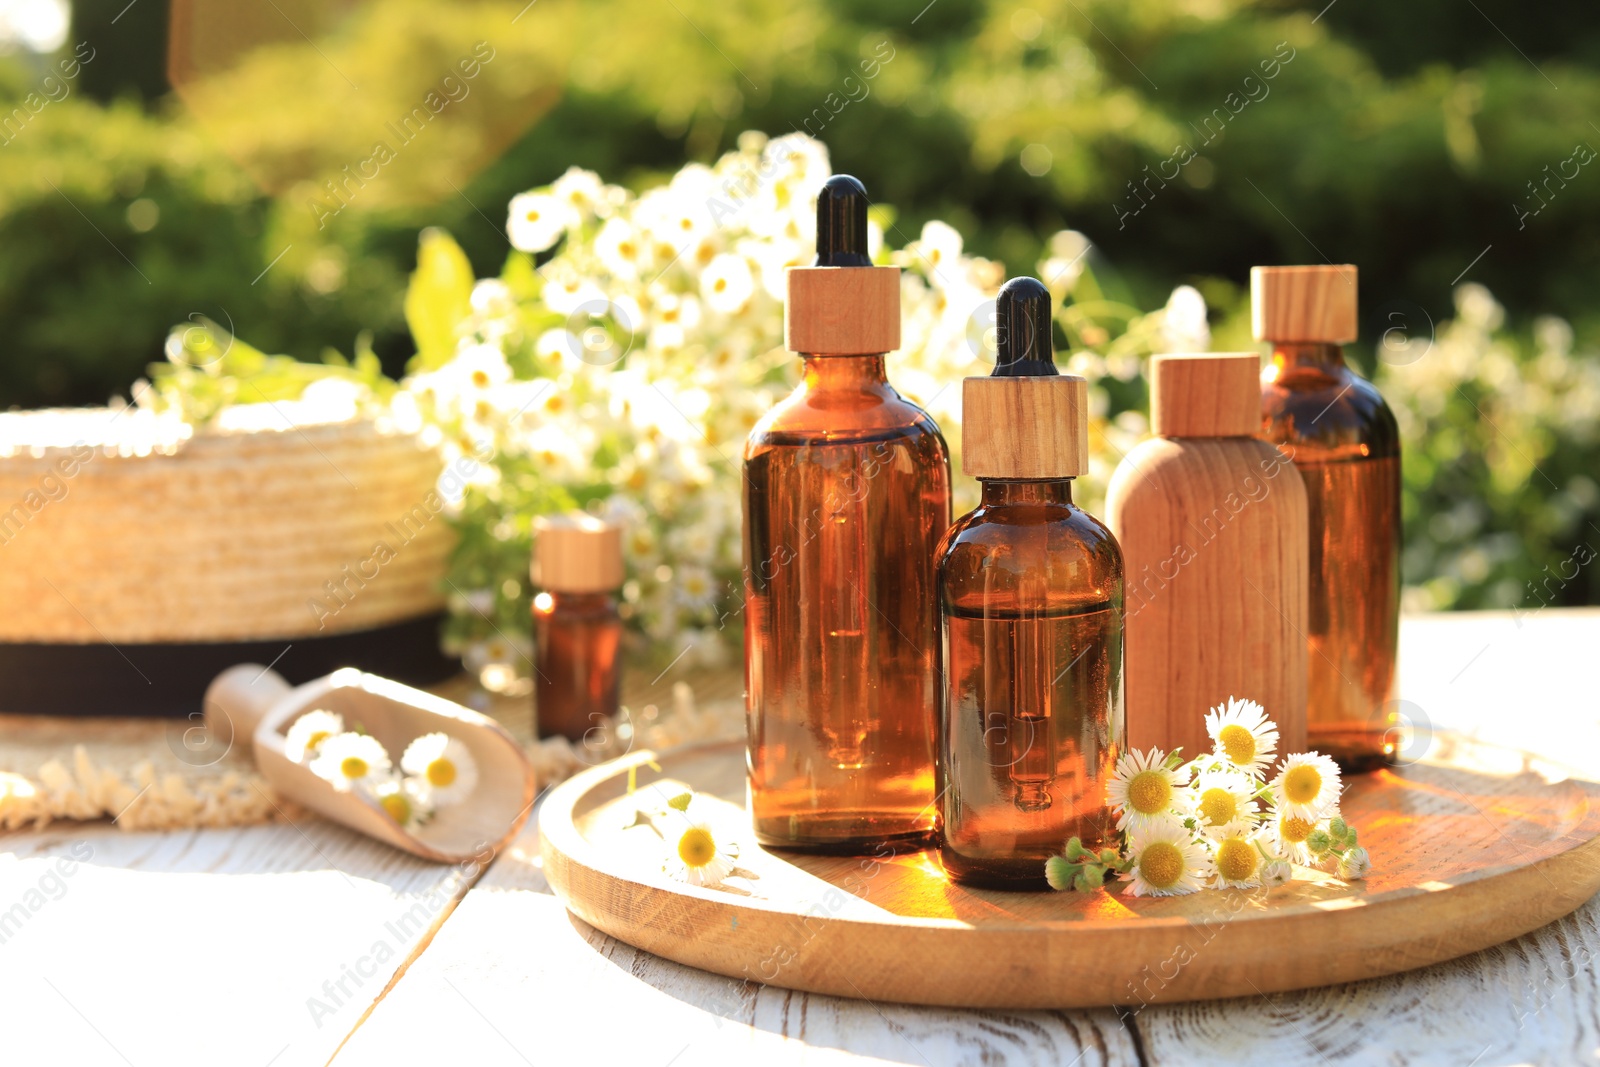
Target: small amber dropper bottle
1030,593
577,565
1346,445
846,491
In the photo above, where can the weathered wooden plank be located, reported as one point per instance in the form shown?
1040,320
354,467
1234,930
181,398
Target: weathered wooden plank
248,946
1532,1000
514,978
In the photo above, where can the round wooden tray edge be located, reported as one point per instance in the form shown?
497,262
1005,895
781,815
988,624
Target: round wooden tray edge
564,797
684,923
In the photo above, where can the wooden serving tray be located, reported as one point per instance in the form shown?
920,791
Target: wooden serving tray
1470,848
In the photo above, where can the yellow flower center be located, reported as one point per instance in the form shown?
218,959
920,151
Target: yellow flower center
1237,859
398,807
353,767
1294,830
697,847
1218,806
1238,744
720,284
533,214
1161,864
480,378
1302,784
1149,792
441,772
316,738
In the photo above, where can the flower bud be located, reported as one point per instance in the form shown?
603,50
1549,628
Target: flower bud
1354,865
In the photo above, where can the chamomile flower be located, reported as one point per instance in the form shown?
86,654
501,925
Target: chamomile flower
727,284
537,221
699,860
1144,788
1245,738
444,766
309,731
1354,865
405,800
1237,860
1290,834
1223,797
352,761
582,190
619,248
1166,861
1307,787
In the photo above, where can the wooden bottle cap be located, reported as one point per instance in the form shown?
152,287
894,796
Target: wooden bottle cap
842,311
576,553
1213,394
842,306
1304,303
1026,419
1025,427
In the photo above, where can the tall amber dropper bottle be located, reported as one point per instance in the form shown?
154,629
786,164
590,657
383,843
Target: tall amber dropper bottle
1346,445
1030,594
846,492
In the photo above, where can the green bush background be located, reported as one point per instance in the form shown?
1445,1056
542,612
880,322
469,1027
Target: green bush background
1403,138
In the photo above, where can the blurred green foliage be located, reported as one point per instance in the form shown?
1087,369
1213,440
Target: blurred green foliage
1415,140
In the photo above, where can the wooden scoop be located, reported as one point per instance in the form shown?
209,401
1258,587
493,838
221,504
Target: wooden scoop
253,707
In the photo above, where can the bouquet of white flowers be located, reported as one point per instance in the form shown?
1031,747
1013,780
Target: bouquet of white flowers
622,372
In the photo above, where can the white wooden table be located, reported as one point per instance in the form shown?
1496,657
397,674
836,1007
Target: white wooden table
305,944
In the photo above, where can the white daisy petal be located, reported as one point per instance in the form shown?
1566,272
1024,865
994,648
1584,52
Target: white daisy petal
536,221
1289,834
405,800
309,731
443,766
1237,860
352,762
727,284
1307,787
1244,737
1143,788
698,857
1167,861
1223,798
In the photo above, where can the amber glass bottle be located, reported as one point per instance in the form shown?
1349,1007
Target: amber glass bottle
576,629
1344,441
846,491
1030,593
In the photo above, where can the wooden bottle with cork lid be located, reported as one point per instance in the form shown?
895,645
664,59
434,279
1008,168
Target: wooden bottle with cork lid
577,566
1212,523
1030,595
1346,444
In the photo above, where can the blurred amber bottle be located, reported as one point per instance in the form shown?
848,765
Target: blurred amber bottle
846,492
1346,445
1030,592
577,566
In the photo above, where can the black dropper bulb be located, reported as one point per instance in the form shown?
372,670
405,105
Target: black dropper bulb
842,223
1024,346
